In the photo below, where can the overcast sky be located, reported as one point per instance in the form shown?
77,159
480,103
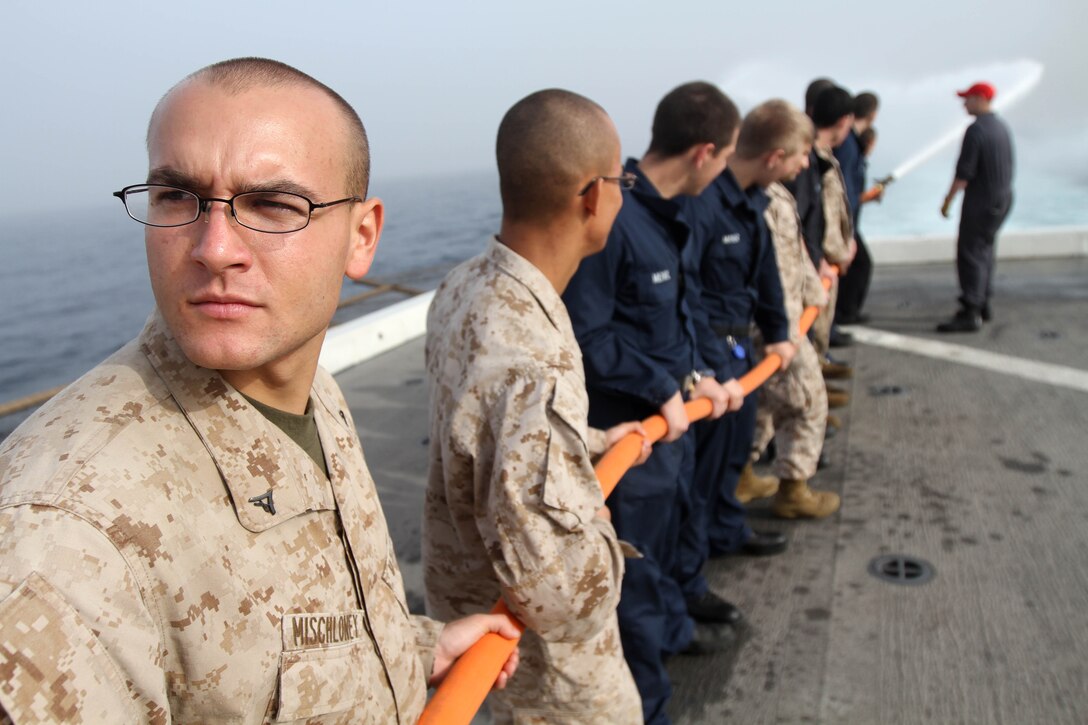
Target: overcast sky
432,79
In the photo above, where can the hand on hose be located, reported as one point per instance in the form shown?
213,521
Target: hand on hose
675,417
613,435
827,271
735,393
785,350
460,634
712,390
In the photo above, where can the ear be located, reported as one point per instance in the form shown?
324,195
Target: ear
591,200
774,158
703,152
366,220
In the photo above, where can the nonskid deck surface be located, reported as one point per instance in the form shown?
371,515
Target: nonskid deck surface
980,473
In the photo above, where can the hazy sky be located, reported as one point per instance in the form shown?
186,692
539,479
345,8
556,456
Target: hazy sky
432,79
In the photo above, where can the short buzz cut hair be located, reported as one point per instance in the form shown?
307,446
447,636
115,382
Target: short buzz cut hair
548,143
773,125
691,114
239,75
830,106
865,104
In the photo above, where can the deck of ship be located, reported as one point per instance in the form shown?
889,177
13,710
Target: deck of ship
979,472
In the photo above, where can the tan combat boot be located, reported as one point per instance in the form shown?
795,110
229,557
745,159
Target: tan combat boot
836,371
796,500
750,486
837,397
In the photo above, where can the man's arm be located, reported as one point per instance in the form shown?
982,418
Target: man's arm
770,312
701,217
966,168
958,185
838,229
558,563
611,362
77,638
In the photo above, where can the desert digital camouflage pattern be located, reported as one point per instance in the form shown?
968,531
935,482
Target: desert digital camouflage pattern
838,231
793,403
512,498
169,555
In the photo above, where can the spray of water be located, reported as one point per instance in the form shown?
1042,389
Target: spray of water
1005,99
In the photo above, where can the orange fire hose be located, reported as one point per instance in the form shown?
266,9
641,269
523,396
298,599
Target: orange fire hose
471,677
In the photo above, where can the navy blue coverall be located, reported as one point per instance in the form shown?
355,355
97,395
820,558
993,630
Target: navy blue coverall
807,190
739,282
854,285
631,308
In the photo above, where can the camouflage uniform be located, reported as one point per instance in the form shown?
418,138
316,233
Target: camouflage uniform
793,404
169,555
838,232
511,496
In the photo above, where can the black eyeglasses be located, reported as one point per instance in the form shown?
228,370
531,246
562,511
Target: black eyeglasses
272,212
626,181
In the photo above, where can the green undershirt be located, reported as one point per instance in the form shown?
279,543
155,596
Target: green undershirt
302,429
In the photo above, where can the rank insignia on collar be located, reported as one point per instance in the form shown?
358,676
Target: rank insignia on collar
265,502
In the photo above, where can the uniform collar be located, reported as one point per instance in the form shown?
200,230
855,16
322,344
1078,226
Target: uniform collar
727,187
648,194
754,199
257,461
526,273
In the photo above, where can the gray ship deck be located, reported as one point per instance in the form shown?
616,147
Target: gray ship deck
979,472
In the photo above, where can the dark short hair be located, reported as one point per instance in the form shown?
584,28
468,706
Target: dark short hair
548,143
865,104
238,75
830,106
691,114
813,90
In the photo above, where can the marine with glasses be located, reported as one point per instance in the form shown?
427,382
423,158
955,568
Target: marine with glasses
189,531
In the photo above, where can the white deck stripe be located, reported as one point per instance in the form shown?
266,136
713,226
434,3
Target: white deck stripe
1048,373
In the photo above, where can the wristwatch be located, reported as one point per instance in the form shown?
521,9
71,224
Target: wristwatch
692,379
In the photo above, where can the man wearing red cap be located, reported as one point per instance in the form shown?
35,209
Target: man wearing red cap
984,173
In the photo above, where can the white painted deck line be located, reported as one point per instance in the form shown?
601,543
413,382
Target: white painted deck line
1058,375
370,335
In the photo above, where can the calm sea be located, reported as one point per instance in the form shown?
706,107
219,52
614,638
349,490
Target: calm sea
74,287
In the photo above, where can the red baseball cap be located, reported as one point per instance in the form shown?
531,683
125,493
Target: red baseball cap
979,89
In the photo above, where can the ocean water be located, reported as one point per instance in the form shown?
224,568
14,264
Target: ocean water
73,285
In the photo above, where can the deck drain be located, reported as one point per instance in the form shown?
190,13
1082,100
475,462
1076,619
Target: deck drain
902,569
882,390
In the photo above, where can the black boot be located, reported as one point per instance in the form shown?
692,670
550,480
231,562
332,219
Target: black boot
986,313
968,319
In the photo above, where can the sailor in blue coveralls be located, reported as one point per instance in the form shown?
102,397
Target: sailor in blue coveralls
739,283
631,306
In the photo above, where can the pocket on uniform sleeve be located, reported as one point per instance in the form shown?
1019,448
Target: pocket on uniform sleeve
571,494
55,668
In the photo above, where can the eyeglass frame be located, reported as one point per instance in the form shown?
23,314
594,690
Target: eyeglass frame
626,181
203,202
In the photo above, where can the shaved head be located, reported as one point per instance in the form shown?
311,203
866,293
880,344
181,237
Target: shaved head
548,144
239,75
